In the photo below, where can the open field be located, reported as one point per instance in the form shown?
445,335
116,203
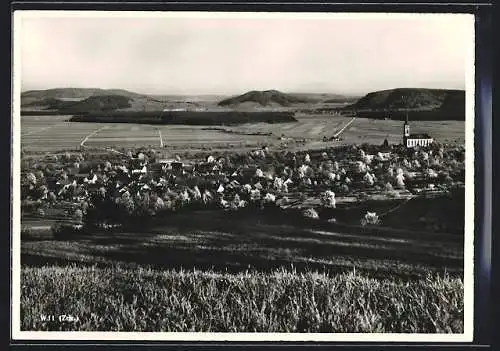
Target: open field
52,133
240,241
117,299
371,131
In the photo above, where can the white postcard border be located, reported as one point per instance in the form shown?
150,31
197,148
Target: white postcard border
17,334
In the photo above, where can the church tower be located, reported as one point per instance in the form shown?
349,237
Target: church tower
406,131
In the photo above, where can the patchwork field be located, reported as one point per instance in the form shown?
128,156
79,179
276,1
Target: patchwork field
371,131
54,133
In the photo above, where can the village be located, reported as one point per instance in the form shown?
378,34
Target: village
104,189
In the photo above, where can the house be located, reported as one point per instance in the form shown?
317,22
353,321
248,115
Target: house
247,172
143,170
204,167
177,166
384,151
137,163
189,168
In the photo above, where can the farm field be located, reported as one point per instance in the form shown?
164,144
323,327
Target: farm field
236,242
371,131
52,133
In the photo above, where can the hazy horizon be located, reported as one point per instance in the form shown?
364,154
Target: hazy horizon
232,54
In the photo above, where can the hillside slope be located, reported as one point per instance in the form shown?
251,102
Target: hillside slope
41,100
89,104
31,97
264,98
409,98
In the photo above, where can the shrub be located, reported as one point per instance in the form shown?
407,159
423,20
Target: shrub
328,199
310,213
78,215
370,218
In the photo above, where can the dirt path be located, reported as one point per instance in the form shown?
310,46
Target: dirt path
108,149
161,138
91,135
347,125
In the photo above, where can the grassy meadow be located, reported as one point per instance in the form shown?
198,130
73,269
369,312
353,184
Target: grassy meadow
118,299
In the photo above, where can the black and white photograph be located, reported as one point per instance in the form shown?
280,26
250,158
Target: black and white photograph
242,176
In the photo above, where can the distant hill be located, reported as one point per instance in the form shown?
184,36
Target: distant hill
42,100
264,98
31,97
409,98
420,104
89,104
453,103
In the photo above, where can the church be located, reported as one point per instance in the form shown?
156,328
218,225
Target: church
412,140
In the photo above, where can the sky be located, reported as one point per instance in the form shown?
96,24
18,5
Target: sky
233,53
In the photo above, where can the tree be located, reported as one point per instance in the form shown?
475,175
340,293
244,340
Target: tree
430,173
370,218
328,199
369,179
269,198
279,185
158,204
400,180
78,215
336,166
30,179
39,175
361,167
41,192
207,197
310,213
51,197
255,195
84,205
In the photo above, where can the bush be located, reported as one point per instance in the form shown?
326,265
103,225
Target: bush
328,199
370,218
310,213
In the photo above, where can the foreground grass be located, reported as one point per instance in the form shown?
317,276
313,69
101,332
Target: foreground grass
117,299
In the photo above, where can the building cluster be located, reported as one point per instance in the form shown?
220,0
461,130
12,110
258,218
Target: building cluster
260,176
413,140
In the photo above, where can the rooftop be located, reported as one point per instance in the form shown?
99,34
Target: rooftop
420,136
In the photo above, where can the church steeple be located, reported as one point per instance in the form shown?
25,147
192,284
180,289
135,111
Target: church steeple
406,130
